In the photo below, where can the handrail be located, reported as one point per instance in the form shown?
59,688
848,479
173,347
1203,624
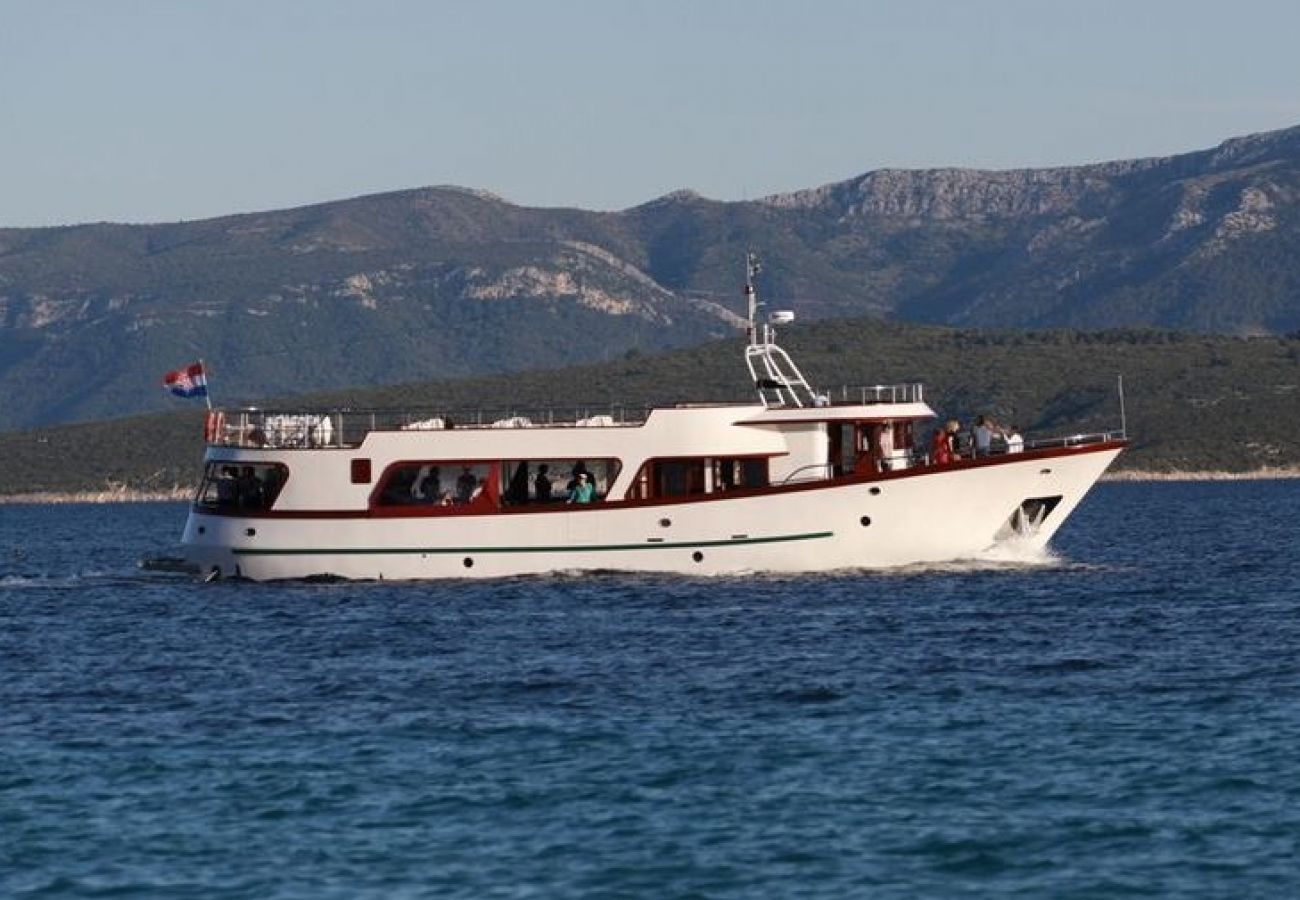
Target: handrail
826,469
907,392
1075,440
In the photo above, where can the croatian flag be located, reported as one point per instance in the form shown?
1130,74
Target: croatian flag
187,382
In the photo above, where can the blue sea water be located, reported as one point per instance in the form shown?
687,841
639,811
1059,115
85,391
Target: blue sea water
1119,720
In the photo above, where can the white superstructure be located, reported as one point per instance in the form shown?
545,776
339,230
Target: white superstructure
797,481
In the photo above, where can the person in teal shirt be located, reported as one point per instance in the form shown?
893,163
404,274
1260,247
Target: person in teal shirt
583,491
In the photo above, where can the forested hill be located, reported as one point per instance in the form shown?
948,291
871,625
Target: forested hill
1194,402
447,282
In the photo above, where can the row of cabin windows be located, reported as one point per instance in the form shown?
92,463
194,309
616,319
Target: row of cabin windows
489,485
514,483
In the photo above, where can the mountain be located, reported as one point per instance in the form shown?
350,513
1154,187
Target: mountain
447,282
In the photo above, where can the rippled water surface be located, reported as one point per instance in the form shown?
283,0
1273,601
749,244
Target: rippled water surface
1120,720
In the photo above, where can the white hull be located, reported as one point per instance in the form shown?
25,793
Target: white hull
918,516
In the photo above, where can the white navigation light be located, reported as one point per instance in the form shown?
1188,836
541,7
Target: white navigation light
780,317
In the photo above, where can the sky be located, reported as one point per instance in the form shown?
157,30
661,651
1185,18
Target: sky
152,111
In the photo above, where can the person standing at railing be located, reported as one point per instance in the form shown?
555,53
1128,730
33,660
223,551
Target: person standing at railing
983,431
941,446
1015,443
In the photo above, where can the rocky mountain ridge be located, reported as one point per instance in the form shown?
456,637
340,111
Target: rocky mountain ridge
448,281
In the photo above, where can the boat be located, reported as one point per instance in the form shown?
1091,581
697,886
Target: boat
791,479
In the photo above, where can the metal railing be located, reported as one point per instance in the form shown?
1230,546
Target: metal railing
878,393
343,428
1074,440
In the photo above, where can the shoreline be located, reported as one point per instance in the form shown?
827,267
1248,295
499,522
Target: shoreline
107,495
180,493
1269,473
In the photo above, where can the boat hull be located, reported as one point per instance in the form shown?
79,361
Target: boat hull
921,516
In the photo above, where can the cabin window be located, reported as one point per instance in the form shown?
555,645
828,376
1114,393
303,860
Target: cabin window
678,477
842,449
465,485
361,471
660,478
749,472
441,483
542,481
240,486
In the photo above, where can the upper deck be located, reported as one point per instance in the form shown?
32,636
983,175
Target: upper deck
348,428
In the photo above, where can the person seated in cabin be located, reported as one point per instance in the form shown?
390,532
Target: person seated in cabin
427,487
582,491
579,468
517,490
248,488
465,485
481,495
884,440
542,484
227,487
983,432
1015,443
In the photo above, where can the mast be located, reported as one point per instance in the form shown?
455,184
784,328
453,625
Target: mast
752,268
776,378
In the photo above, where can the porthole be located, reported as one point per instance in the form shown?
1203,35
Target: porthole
865,520
250,532
1044,471
468,563
875,492
697,556
664,523
203,529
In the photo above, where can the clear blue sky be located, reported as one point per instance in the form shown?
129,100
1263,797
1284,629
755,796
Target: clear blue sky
157,111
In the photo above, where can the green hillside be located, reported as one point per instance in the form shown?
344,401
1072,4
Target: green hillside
1193,402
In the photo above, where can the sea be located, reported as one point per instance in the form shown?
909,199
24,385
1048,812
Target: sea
1119,717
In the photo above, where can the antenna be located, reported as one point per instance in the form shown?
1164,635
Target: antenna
752,268
1123,422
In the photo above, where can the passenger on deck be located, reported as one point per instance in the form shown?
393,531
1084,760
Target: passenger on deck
983,436
957,440
542,484
941,445
1015,443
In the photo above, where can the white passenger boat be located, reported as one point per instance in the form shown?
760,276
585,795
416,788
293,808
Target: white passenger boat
792,481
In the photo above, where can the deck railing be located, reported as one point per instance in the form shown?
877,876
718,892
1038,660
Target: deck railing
341,428
1075,440
877,393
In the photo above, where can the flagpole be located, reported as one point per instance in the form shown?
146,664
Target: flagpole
207,389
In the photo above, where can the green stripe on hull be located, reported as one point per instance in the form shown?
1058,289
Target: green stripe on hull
565,548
